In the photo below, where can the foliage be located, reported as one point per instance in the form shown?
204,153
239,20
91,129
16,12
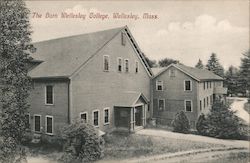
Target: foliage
83,143
214,65
181,123
201,125
245,72
222,122
151,63
167,61
232,80
199,65
14,55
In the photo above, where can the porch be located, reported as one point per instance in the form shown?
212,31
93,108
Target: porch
132,115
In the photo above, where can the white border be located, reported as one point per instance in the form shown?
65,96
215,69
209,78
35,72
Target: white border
191,85
163,103
159,84
125,66
104,109
137,66
118,64
86,116
104,64
186,106
45,100
49,116
38,115
96,110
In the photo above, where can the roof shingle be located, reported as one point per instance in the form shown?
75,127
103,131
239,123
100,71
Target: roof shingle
62,56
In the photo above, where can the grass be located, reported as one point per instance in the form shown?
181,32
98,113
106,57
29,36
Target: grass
129,146
240,157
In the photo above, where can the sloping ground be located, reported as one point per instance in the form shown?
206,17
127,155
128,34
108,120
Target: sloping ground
197,138
238,106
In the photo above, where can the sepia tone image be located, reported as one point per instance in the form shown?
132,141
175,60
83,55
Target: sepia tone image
124,81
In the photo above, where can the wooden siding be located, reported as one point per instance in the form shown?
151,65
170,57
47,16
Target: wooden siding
59,110
174,95
93,88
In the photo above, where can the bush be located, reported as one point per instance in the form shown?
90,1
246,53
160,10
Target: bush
83,143
222,122
201,125
181,123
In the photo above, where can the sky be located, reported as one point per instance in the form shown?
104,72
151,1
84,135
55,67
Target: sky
184,30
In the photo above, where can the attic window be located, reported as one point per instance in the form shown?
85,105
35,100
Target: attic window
159,85
136,67
106,63
123,37
172,73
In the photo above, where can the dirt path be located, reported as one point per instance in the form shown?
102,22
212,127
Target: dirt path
201,157
169,134
238,106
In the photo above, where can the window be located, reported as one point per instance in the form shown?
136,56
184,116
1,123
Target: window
204,103
207,85
204,85
188,105
172,73
106,63
188,86
207,101
106,115
211,99
119,63
123,39
161,104
84,117
49,124
200,104
27,121
37,122
136,67
49,95
126,65
159,85
96,118
210,84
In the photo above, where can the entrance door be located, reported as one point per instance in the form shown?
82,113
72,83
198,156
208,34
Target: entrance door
138,116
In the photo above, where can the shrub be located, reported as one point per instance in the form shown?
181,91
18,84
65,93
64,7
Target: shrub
201,125
222,122
83,143
181,123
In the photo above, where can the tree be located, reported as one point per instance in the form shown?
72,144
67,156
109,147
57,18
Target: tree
14,55
151,63
245,72
199,65
222,122
83,143
202,125
167,61
214,65
181,123
232,80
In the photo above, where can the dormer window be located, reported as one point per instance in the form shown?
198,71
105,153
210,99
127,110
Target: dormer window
123,37
106,63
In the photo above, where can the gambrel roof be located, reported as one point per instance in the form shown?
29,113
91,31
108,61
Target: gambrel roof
195,73
62,57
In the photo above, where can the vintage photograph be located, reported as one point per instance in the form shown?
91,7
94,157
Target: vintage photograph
124,81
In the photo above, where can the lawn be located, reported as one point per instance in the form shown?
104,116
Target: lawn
241,157
129,146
